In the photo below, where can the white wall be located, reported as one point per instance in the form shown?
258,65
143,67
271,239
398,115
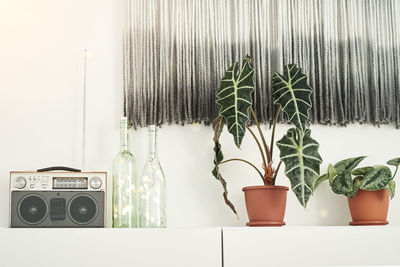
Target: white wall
41,74
195,197
41,49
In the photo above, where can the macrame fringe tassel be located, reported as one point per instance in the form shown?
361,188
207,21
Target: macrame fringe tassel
176,51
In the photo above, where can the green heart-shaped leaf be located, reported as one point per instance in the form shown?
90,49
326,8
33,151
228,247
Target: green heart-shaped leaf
376,179
332,172
356,186
394,162
362,171
343,183
391,186
348,164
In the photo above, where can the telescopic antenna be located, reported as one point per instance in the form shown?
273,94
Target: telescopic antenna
84,111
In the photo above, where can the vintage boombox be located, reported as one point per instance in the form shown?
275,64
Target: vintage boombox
58,199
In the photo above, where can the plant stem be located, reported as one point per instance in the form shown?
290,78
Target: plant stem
261,135
397,167
276,172
273,130
245,161
258,144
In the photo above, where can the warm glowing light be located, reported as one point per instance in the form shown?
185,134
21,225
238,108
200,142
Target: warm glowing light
195,127
126,209
323,213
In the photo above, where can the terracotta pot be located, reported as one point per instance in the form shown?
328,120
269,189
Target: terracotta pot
369,207
265,205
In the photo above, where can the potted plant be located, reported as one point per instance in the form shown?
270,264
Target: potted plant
367,188
266,203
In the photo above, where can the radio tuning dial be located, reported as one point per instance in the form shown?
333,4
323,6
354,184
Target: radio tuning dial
20,182
95,182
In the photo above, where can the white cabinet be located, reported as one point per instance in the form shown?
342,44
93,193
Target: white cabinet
201,247
110,247
312,246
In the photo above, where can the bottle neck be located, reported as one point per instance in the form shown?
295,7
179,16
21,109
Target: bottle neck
153,142
124,135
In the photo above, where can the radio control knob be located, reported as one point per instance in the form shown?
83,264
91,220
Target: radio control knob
95,182
20,182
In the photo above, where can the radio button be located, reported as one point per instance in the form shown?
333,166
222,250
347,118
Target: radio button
32,186
95,182
20,182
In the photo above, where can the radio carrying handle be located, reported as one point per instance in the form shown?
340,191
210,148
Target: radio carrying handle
58,168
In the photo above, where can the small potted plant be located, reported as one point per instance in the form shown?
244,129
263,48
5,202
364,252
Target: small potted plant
266,203
367,188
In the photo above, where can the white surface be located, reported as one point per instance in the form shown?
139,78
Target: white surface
311,246
110,247
41,60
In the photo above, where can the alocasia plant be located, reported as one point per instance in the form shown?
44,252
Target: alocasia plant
298,150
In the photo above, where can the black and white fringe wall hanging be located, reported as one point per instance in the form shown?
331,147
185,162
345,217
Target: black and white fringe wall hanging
175,52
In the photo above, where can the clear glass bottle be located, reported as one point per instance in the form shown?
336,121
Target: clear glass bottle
151,188
124,207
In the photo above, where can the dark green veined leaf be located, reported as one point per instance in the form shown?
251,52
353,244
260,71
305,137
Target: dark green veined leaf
376,179
218,157
218,125
391,186
348,164
300,154
342,183
394,162
319,180
356,186
340,176
292,93
362,171
234,98
331,173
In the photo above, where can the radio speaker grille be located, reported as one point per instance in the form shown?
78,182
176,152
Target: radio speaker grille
82,209
32,209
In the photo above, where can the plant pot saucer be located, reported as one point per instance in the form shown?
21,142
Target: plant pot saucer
369,223
265,223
